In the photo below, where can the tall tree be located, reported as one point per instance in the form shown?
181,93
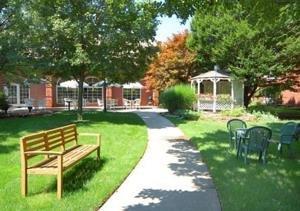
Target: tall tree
10,40
111,39
173,64
246,42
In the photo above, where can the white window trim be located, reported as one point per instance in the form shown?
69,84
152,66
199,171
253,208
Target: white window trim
18,94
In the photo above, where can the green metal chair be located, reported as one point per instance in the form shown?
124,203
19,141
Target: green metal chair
232,126
256,139
288,134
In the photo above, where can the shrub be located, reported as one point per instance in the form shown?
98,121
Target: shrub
188,114
236,112
3,102
264,116
179,97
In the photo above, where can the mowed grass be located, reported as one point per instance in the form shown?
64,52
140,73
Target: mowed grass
88,184
274,186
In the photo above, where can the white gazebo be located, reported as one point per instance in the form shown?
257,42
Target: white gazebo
216,90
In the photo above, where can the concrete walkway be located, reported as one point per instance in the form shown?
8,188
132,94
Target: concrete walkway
170,176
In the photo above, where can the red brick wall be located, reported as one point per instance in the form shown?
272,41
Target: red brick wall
50,95
117,93
38,91
292,97
146,94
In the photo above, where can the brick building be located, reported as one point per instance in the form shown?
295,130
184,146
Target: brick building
53,93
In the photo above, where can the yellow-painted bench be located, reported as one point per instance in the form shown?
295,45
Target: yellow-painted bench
61,150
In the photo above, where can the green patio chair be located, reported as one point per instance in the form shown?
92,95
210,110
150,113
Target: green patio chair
288,134
256,139
232,126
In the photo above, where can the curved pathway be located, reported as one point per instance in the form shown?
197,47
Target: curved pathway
170,176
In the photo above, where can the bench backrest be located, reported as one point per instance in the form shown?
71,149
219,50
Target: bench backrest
50,139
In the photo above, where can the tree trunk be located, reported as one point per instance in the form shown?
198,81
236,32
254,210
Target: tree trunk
104,96
80,96
249,91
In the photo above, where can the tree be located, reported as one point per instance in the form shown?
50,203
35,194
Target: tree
110,39
247,43
173,64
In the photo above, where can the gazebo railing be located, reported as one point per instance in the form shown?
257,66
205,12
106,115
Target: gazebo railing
206,102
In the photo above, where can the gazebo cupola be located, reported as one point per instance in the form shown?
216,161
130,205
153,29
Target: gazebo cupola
217,90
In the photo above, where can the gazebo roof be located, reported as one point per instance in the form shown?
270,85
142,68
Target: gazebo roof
212,74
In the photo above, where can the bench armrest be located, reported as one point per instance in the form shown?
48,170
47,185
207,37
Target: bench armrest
97,135
43,153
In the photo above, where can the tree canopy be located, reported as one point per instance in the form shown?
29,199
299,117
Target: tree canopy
109,39
173,64
246,42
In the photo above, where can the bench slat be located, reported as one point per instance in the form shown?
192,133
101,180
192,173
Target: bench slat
69,159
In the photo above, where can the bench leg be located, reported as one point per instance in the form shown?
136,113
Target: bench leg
59,185
59,178
98,154
24,183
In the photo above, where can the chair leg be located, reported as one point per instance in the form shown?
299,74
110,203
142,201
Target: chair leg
264,156
290,151
245,156
280,148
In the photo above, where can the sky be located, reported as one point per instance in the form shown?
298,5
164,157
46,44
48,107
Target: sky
170,26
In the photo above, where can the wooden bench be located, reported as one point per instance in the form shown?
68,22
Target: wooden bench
60,150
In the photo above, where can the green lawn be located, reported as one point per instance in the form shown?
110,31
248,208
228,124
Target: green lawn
274,186
86,185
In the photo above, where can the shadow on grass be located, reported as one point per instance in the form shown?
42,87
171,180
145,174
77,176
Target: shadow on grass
12,129
76,178
236,180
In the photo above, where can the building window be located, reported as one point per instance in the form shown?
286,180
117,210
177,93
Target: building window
24,93
131,94
91,92
66,92
17,93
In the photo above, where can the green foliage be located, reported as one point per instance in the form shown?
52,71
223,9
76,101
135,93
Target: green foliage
264,116
282,112
178,97
3,102
252,44
235,112
188,114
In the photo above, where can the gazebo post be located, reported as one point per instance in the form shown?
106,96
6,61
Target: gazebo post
232,94
215,95
198,95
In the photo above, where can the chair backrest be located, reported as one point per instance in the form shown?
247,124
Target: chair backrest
28,102
126,102
288,132
234,124
100,102
137,101
258,137
41,103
